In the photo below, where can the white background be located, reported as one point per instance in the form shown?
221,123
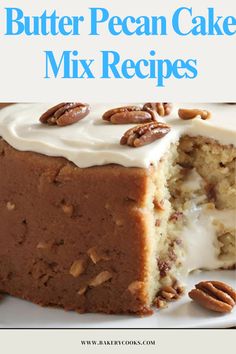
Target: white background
21,77
23,63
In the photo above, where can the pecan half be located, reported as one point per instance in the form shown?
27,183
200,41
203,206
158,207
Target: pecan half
144,134
161,108
214,295
129,115
65,114
187,114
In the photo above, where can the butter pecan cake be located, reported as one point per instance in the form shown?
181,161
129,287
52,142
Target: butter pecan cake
107,209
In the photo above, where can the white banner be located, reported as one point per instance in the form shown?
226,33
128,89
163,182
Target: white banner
70,50
119,341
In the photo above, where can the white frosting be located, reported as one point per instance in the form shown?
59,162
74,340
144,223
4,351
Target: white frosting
201,240
192,182
93,141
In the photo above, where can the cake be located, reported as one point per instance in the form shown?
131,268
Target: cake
90,225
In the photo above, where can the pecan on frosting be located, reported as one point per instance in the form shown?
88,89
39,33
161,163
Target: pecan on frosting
144,134
161,108
147,113
65,114
129,115
187,114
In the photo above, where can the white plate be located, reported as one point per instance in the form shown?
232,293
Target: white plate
15,313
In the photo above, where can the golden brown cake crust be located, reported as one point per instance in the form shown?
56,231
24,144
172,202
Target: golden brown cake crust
72,237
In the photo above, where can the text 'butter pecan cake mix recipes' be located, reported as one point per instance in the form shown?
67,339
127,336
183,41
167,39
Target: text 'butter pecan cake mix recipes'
108,208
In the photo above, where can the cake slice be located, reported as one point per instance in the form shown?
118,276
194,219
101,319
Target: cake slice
93,226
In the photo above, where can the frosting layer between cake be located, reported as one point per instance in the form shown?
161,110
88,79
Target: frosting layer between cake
93,141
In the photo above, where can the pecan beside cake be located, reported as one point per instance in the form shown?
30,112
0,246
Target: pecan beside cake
101,214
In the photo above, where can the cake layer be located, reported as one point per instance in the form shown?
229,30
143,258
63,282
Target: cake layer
73,237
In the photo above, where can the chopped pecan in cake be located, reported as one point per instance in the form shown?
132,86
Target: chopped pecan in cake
176,216
159,205
164,267
82,290
10,206
135,286
96,255
100,278
168,293
77,268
